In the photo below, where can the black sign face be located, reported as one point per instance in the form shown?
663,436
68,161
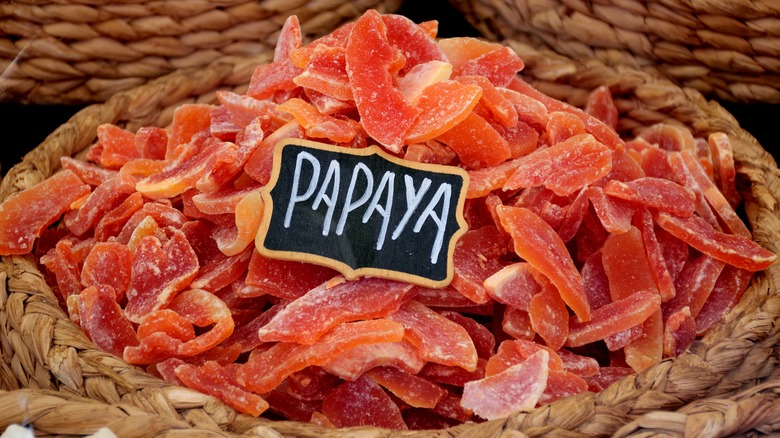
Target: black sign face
363,212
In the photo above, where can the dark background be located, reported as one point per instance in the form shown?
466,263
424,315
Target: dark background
22,127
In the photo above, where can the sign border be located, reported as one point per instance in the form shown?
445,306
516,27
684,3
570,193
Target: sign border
343,268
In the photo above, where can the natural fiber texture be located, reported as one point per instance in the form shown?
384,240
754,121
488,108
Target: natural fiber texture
46,353
729,49
86,51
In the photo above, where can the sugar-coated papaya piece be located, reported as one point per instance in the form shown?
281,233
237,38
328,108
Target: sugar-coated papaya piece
420,77
319,125
88,173
615,214
517,324
562,125
221,271
583,366
595,281
601,106
647,350
245,335
413,390
517,388
223,201
353,363
613,318
188,121
168,322
489,179
24,216
621,339
574,215
362,403
499,105
694,284
260,162
203,309
326,73
101,318
513,352
529,110
682,175
476,257
452,375
476,142
607,376
108,263
626,265
266,370
112,223
118,146
163,215
459,50
151,142
235,239
212,379
726,293
483,339
278,75
562,384
438,339
514,285
447,297
723,158
416,44
222,125
104,198
285,279
679,332
282,403
369,62
65,266
152,288
499,66
594,126
311,383
643,220
549,316
539,245
657,193
307,318
564,167
733,249
443,105
669,137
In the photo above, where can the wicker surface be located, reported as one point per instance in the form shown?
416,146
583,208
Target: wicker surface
86,51
73,388
729,49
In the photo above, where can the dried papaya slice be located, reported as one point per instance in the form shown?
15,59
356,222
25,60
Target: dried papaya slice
438,339
319,125
657,193
540,245
326,72
514,285
484,181
221,271
285,279
353,363
420,77
369,62
625,263
189,120
563,168
112,223
452,375
529,110
499,105
499,66
669,137
447,297
118,146
562,126
582,366
613,318
278,75
203,309
517,324
88,173
694,284
647,350
152,288
103,199
726,293
735,250
413,390
417,45
514,352
614,213
595,281
483,339
443,105
260,162
151,142
108,263
679,332
362,403
267,369
562,384
307,318
103,321
723,156
601,106
24,216
607,376
655,255
162,214
574,215
549,316
236,239
517,388
476,142
475,259
213,379
311,384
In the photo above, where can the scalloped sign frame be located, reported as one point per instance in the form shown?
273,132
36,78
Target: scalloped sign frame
363,212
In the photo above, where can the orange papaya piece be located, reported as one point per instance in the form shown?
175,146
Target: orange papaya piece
260,162
540,246
438,339
447,297
370,58
517,324
151,142
476,142
679,332
529,110
118,146
615,214
232,240
514,285
499,106
582,366
189,120
108,263
103,199
669,137
267,369
416,80
562,126
562,384
483,339
601,106
475,259
101,318
513,352
647,350
626,266
549,316
517,388
211,378
24,217
723,156
694,284
564,167
285,279
452,375
319,125
413,390
443,105
726,293
362,403
657,193
307,318
355,362
613,318
87,172
326,72
733,249
499,66
267,79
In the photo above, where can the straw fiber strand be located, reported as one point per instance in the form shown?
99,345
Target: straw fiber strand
58,52
726,49
712,385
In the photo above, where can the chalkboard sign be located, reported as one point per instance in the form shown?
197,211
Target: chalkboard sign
363,212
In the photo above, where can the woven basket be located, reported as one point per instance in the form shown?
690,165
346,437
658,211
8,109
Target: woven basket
88,50
729,49
53,378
